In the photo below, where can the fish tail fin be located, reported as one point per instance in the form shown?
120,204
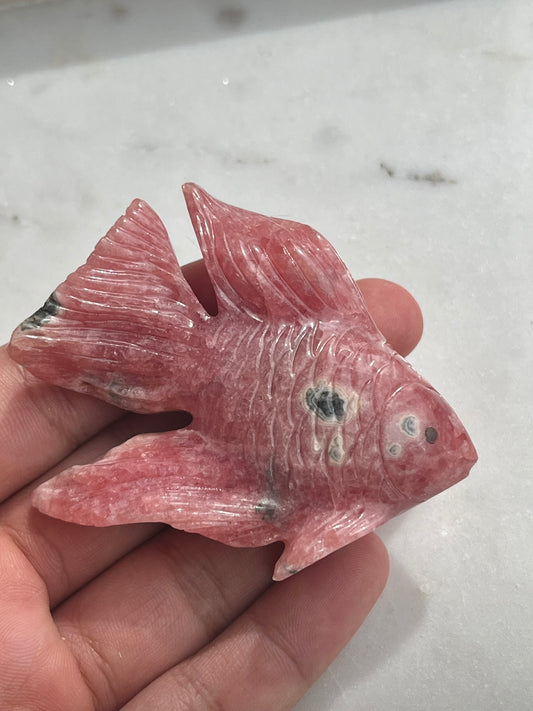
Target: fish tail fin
120,323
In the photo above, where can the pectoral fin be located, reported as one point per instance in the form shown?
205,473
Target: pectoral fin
179,478
323,534
185,480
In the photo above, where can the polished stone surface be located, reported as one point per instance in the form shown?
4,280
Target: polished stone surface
402,131
307,427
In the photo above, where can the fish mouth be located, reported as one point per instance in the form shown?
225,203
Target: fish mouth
467,452
459,469
470,455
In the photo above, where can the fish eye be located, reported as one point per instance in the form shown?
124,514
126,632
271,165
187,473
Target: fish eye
431,435
409,425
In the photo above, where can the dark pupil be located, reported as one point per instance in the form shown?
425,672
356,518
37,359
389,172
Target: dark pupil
431,435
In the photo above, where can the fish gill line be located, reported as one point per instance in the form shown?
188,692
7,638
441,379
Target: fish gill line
272,405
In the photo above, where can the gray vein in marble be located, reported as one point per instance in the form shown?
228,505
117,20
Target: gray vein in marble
433,177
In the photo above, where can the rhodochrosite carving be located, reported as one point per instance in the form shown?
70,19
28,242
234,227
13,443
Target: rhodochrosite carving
307,427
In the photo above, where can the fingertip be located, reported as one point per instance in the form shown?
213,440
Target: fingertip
198,279
379,557
395,312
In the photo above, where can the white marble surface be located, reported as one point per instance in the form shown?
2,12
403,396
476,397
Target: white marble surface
401,130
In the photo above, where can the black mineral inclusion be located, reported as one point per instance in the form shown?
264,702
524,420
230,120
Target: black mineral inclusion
50,308
326,403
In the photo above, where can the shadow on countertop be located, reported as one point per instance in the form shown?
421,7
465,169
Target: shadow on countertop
63,32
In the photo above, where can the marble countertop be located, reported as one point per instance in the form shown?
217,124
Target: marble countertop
402,131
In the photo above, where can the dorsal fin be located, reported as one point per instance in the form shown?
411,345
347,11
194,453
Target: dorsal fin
271,267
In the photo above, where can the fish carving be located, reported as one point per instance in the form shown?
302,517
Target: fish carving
307,427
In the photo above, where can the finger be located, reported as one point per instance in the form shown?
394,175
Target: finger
199,281
182,588
66,555
395,312
41,424
37,670
268,657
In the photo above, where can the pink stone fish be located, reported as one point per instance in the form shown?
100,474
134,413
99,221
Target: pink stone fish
307,427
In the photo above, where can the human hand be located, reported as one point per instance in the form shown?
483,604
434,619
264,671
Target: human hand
143,616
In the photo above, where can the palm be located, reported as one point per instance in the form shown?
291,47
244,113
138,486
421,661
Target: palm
129,617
